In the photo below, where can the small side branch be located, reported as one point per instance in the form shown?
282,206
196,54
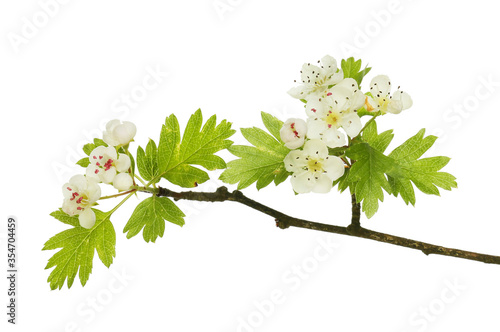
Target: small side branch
354,229
356,212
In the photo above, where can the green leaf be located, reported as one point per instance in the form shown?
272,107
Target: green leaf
351,69
368,173
423,173
262,162
198,147
65,218
344,182
380,141
78,245
89,147
367,176
151,214
147,162
272,124
84,162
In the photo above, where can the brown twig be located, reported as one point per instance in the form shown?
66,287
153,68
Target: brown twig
354,229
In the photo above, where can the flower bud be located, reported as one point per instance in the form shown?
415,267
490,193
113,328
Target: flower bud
293,133
118,133
122,181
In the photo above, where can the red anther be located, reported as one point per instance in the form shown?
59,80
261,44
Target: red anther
79,208
98,164
95,157
296,133
73,196
329,94
329,126
100,157
292,125
96,171
108,164
78,201
313,109
69,188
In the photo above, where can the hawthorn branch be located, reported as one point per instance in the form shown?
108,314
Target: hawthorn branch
284,221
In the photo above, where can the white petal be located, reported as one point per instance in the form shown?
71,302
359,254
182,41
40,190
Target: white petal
316,108
323,184
405,98
93,171
309,73
110,126
101,154
125,132
300,126
334,167
341,98
315,128
335,78
395,106
329,62
87,218
108,135
380,84
111,152
316,148
78,182
302,182
110,139
70,207
357,101
299,92
122,181
333,138
67,190
93,191
348,83
295,144
123,163
351,124
107,176
295,161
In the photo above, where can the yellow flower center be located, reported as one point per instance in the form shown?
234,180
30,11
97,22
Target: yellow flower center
332,119
315,166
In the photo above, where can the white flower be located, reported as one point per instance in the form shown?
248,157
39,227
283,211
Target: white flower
337,109
80,193
315,80
119,134
380,88
105,163
122,181
293,133
313,169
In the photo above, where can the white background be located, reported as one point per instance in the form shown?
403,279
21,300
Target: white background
60,82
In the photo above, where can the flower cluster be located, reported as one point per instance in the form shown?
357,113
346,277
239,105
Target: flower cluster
105,165
332,106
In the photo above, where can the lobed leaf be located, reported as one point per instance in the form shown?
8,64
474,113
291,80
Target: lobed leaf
261,163
197,147
352,69
78,246
150,215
